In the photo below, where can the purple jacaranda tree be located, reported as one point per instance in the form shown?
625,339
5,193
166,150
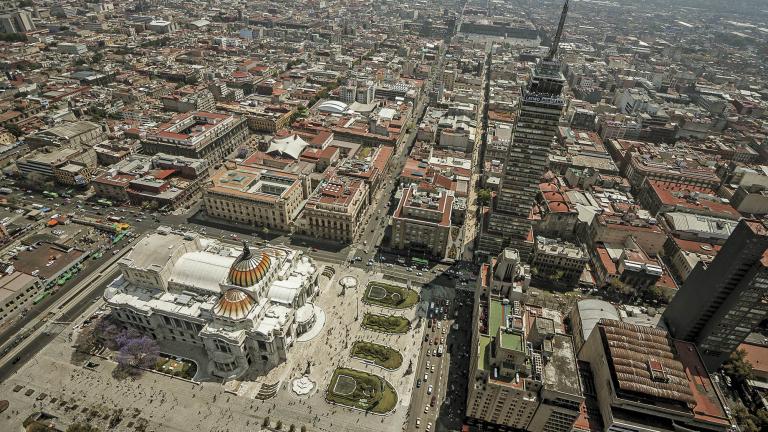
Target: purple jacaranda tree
138,352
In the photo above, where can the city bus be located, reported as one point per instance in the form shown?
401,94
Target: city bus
6,191
50,194
40,297
420,261
105,202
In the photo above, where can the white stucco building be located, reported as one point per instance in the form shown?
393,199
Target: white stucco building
244,306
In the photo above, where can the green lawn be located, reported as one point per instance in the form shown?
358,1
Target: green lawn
364,152
183,369
386,323
395,297
371,392
381,355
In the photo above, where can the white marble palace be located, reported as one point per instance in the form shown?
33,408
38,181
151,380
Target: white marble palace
244,306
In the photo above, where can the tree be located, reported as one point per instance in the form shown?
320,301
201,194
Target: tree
303,428
38,427
619,287
656,293
82,427
483,197
266,422
139,352
116,418
150,205
762,417
99,334
279,424
14,129
35,180
13,37
745,420
738,367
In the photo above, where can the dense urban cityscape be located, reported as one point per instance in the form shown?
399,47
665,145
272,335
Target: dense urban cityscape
379,216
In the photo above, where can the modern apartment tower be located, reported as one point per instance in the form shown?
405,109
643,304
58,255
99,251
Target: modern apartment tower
720,304
527,157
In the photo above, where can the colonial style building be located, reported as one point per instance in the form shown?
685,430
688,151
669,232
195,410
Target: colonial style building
198,135
335,208
257,197
422,221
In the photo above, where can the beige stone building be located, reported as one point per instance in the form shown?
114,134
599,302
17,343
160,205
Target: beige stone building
197,135
17,289
335,209
257,197
422,222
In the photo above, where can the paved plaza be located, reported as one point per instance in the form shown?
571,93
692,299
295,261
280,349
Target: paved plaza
171,404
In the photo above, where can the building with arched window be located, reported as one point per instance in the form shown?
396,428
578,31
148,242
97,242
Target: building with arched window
244,306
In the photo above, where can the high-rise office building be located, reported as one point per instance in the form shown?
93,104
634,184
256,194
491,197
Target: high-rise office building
16,22
527,157
721,303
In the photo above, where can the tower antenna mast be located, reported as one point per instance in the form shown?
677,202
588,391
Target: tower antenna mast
558,34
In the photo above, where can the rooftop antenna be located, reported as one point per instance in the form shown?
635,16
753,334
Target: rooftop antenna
558,34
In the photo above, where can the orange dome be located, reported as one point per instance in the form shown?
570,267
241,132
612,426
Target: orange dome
248,270
234,304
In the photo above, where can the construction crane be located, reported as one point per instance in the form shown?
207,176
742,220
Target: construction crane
556,41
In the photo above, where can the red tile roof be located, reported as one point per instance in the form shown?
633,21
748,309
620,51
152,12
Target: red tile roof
697,247
757,356
682,195
708,407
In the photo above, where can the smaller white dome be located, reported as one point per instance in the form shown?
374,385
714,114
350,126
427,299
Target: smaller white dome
333,106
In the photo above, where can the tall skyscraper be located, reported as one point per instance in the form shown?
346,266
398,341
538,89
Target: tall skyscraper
527,157
16,22
720,304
